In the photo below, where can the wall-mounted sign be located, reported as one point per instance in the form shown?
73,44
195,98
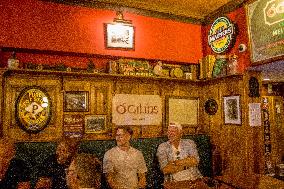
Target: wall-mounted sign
128,109
266,29
254,114
33,109
221,35
73,125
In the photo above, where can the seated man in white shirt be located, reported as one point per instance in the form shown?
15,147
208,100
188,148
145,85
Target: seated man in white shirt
124,165
178,158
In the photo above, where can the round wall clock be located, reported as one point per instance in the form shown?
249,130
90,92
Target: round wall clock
211,106
33,109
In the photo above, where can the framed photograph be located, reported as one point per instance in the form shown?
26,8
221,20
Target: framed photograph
182,110
76,101
232,112
119,36
95,124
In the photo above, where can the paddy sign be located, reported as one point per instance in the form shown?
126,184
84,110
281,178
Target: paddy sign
220,37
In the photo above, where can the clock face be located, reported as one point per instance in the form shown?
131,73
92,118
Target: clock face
33,109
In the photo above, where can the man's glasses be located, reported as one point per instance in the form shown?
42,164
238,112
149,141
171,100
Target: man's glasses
178,155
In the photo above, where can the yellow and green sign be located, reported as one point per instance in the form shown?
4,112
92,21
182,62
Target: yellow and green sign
220,37
33,109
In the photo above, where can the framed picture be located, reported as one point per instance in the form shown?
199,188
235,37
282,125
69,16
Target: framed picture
119,36
232,112
76,101
95,123
182,110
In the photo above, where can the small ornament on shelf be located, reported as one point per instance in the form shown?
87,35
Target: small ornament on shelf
91,66
158,69
13,62
112,67
232,67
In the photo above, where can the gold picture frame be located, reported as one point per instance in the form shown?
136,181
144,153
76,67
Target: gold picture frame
95,124
76,101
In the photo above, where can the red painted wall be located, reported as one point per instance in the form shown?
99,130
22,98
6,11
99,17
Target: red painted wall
35,24
238,17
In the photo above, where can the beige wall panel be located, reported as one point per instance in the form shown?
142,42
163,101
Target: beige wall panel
150,131
101,101
152,88
71,84
189,89
126,87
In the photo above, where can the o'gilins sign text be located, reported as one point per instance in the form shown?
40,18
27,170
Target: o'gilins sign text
130,109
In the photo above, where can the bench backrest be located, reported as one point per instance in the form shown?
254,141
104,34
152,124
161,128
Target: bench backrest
34,153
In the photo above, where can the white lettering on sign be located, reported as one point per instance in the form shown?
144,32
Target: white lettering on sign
130,109
273,12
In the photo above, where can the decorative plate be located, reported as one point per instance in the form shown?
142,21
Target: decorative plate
211,106
33,109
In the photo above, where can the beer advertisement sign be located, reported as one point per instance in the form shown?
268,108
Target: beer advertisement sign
221,35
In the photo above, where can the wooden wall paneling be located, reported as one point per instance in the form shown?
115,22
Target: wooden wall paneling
102,97
169,88
76,84
101,104
254,149
229,139
126,87
212,124
275,130
151,131
14,84
233,135
1,101
151,88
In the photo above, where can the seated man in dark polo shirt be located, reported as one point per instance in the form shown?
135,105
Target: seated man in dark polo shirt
14,172
52,173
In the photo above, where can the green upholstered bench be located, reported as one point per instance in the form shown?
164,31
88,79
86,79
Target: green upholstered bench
34,153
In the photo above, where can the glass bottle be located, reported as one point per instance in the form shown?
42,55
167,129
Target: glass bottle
233,65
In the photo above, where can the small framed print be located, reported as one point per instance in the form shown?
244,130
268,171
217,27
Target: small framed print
95,124
119,36
232,112
76,101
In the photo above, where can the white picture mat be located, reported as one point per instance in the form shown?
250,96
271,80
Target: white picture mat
120,36
232,112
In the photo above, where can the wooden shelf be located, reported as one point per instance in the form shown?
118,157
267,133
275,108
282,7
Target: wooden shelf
87,74
7,71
